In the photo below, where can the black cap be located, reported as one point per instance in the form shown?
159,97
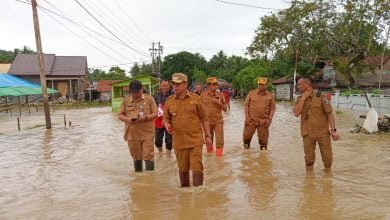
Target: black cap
135,86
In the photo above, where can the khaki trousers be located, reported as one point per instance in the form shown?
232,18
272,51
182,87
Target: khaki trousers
325,144
141,150
262,134
190,158
217,131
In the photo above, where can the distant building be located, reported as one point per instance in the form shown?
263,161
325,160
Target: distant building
66,74
4,67
104,89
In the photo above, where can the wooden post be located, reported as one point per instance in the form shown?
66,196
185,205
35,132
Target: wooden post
20,108
18,123
28,105
41,64
65,121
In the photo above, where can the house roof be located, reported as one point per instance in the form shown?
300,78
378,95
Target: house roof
376,60
27,64
105,85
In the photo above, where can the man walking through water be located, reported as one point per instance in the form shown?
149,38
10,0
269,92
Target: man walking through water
317,124
259,111
160,99
214,102
184,116
138,112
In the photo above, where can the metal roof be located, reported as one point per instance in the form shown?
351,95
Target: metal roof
27,64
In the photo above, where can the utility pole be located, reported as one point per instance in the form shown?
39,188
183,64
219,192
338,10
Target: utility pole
159,51
41,64
152,52
156,52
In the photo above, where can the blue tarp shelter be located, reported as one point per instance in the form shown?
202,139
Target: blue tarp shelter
14,86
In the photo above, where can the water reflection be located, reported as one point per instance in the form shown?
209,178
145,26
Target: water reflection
85,172
318,198
259,179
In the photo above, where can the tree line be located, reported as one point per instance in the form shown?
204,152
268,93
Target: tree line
343,32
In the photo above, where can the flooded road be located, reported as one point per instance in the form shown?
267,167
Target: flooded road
85,172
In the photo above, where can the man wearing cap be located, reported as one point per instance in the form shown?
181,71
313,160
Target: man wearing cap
160,99
214,102
317,124
184,116
138,111
259,110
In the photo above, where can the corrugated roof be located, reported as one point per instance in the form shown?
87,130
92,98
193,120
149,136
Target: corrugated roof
69,65
27,64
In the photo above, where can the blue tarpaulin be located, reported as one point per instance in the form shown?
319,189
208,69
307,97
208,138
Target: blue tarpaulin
15,86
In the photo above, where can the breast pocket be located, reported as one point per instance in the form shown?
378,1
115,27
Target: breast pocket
130,110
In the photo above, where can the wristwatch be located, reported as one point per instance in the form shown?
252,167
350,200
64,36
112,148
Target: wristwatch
334,129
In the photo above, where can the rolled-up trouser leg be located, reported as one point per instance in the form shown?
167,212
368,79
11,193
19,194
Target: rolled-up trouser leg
249,130
263,134
219,136
325,146
309,147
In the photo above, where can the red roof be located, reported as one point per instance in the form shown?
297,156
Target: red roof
105,85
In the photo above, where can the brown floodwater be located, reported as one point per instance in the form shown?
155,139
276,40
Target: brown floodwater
85,172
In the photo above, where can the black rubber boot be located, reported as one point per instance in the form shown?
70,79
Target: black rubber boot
263,147
184,179
197,179
138,165
149,165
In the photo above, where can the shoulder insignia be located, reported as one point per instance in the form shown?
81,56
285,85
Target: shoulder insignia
325,101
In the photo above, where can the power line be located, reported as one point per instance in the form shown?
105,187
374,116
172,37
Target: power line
128,27
109,30
139,28
245,5
108,21
81,37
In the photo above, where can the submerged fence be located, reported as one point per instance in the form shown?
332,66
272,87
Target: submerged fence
358,102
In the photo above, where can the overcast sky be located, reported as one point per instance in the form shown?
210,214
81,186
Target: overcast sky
204,26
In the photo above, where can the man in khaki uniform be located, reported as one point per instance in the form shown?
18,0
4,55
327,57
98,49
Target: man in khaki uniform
184,116
259,110
317,123
138,111
214,102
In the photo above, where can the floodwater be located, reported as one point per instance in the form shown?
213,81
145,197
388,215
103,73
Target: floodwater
85,172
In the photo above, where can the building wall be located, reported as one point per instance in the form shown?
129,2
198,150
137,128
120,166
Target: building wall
283,92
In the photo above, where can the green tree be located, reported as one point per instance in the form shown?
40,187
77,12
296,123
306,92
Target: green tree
184,62
342,31
199,76
116,73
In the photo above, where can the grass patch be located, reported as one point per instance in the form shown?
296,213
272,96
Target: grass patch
339,112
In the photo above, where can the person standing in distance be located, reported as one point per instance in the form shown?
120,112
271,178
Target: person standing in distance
259,111
317,124
184,116
214,102
138,112
160,99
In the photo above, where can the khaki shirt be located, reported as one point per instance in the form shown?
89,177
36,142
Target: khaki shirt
214,111
314,120
260,105
185,116
142,130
